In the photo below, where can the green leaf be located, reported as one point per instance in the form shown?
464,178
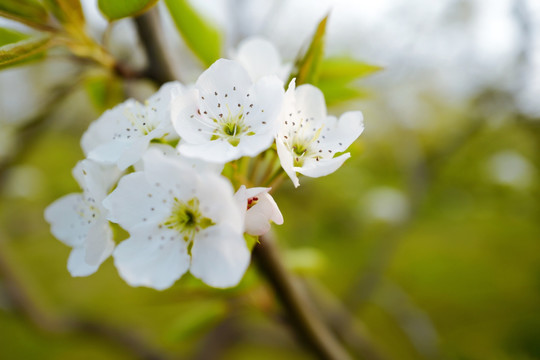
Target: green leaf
8,36
105,91
117,9
337,92
29,10
202,38
336,76
12,53
67,11
307,66
345,69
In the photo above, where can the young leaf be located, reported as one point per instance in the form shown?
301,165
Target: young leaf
24,10
67,11
15,52
307,67
202,38
338,92
117,9
336,76
345,69
8,36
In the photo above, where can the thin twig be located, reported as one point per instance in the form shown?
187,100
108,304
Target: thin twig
300,312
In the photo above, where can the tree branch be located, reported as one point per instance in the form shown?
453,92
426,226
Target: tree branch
159,64
300,312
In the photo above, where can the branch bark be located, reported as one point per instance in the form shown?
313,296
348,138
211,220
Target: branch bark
160,67
300,312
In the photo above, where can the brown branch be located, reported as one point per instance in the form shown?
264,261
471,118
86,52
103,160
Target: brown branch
302,316
150,32
343,323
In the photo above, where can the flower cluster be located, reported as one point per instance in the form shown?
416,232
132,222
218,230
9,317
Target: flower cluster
175,162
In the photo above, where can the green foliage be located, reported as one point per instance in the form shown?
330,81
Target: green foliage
307,66
105,91
67,11
336,92
24,10
8,36
337,74
345,69
198,317
17,47
119,9
202,37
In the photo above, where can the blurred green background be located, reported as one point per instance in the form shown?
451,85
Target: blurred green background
424,245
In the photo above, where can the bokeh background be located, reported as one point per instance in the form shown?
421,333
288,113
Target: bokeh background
424,245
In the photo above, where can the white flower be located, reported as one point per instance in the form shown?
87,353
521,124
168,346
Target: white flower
172,152
79,220
260,58
177,220
121,135
308,139
225,116
260,209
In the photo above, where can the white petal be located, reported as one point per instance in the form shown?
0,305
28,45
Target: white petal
77,266
198,165
136,201
133,152
152,259
267,206
310,100
94,178
224,76
339,135
99,244
67,224
259,216
219,256
313,168
109,152
257,224
215,194
286,161
267,99
186,119
215,151
170,173
253,145
259,57
85,260
109,124
159,107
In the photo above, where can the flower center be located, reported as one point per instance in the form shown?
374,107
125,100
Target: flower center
301,147
140,120
187,219
252,201
231,127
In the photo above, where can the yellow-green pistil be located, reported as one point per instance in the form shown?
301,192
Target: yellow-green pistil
301,148
231,127
187,219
